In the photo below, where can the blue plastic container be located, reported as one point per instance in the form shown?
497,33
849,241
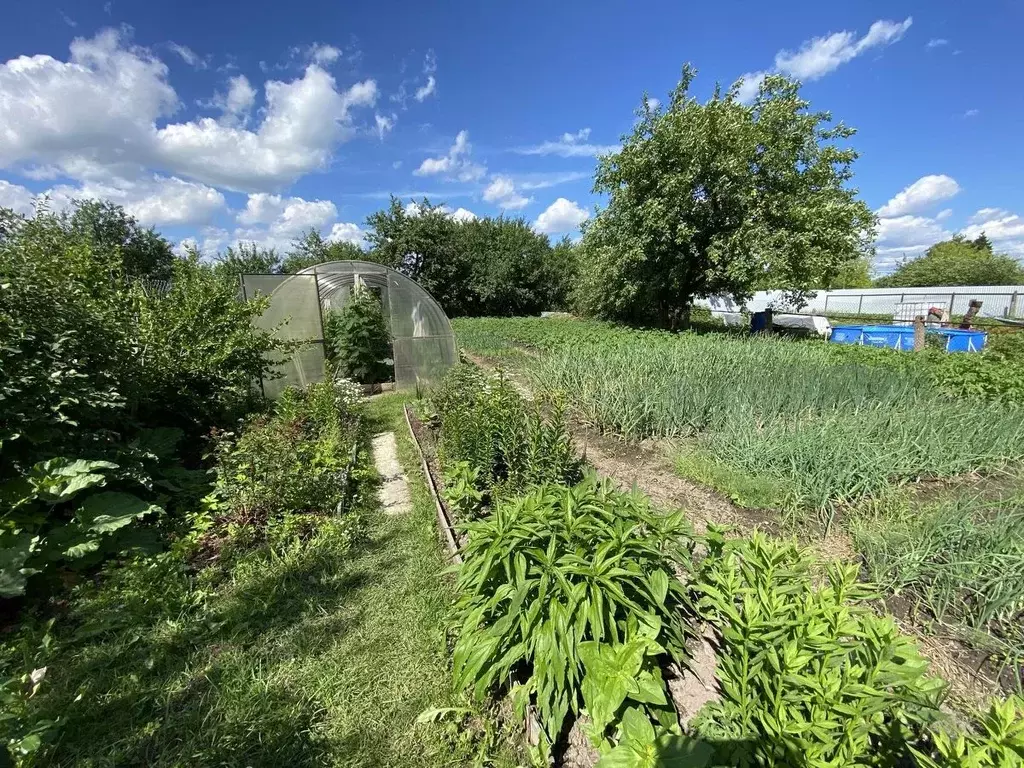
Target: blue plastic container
902,337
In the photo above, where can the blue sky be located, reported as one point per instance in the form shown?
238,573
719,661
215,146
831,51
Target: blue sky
224,121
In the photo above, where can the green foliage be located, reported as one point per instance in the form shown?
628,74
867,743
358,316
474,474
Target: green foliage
756,492
100,375
462,493
810,675
632,720
245,259
640,745
1000,741
711,198
22,733
488,266
959,557
834,426
855,273
956,262
359,340
287,468
485,422
105,226
310,249
554,569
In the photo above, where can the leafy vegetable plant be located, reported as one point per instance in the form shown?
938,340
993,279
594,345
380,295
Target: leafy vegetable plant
359,339
1000,741
461,493
485,422
810,675
547,573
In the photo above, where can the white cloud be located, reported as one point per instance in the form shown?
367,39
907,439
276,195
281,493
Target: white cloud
1004,229
456,165
945,213
570,145
750,86
987,214
214,240
413,209
819,56
971,113
422,92
236,105
385,124
560,217
502,192
287,215
96,116
345,232
274,221
189,56
653,103
545,180
323,54
304,120
17,198
427,89
920,195
154,201
935,42
906,236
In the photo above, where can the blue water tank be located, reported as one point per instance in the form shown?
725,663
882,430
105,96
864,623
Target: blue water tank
902,337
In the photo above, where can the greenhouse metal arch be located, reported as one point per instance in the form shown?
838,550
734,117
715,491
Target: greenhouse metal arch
422,340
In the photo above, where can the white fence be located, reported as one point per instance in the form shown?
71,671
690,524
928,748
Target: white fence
1006,301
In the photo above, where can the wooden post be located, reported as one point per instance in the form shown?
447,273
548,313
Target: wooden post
768,320
918,333
972,309
952,302
860,305
1012,312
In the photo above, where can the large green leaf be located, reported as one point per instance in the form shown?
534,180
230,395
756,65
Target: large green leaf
107,512
15,550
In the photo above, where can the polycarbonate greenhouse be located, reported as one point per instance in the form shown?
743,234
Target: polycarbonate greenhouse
422,339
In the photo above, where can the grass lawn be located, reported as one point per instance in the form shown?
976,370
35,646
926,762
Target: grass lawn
315,655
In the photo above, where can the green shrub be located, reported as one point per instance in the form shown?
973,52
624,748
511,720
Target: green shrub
810,675
554,569
287,468
632,722
461,491
485,422
999,741
359,340
101,378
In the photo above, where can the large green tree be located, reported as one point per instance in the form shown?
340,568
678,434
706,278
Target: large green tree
956,262
489,266
108,227
311,248
716,197
423,243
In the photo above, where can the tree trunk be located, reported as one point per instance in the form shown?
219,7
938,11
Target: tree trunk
684,316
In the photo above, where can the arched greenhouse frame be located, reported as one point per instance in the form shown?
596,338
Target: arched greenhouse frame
422,340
